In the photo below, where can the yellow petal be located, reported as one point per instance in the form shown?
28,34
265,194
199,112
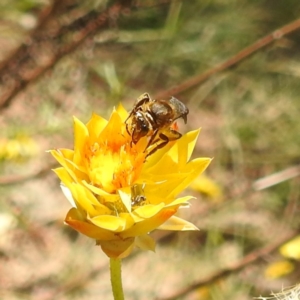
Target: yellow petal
181,152
74,220
145,242
175,223
63,175
182,201
80,136
83,198
160,191
88,202
165,191
166,165
117,248
67,153
148,225
113,129
195,168
155,158
63,162
125,195
85,195
175,152
192,137
75,171
148,211
113,223
161,178
279,269
291,249
95,126
122,112
168,169
108,197
68,194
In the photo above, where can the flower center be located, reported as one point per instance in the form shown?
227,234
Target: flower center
112,166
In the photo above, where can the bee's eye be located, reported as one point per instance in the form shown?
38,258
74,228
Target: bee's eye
144,127
142,124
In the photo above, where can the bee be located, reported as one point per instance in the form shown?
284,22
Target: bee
155,119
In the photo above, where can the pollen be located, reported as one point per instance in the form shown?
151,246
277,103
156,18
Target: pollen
114,164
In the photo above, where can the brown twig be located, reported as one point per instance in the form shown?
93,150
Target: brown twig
276,178
16,75
251,258
45,15
232,61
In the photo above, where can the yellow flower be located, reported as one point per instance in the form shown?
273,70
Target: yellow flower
119,194
17,149
279,269
291,249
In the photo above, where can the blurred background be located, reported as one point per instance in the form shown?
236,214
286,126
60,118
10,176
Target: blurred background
70,57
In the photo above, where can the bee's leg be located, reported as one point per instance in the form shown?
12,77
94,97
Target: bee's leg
144,98
174,135
132,135
164,141
129,116
127,129
152,141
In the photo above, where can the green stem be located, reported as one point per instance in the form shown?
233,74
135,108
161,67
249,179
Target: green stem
116,279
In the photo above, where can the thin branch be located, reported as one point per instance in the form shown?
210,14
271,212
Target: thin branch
232,61
45,15
251,258
16,75
276,178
